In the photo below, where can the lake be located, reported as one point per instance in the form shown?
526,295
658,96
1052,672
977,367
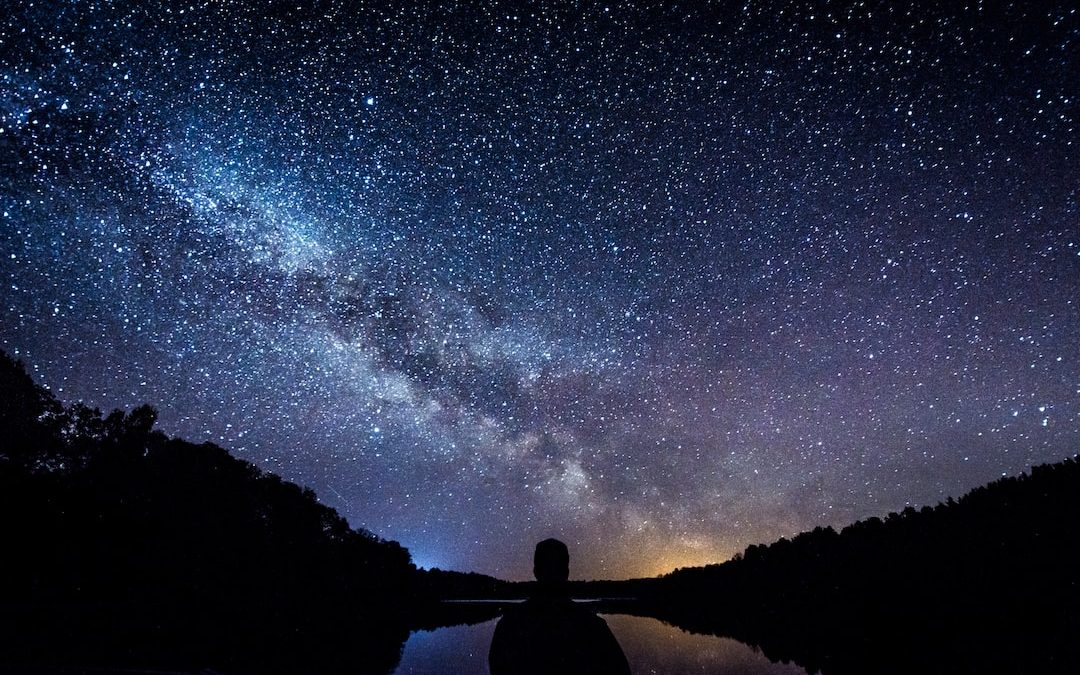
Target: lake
651,646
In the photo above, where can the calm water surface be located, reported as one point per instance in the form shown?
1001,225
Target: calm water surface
650,645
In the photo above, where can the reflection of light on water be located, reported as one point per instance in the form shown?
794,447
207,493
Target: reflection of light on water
650,646
455,649
655,647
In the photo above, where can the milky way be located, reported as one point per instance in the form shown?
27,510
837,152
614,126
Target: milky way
663,282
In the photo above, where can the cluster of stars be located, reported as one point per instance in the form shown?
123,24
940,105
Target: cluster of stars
662,281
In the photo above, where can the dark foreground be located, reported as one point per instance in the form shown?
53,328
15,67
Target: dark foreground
126,549
76,645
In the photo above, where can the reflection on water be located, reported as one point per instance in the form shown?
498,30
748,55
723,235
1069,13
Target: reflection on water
455,649
650,645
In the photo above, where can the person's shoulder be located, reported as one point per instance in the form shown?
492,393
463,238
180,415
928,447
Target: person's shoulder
512,613
584,615
519,613
593,618
527,606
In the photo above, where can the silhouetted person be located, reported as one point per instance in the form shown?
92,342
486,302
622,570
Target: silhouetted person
549,632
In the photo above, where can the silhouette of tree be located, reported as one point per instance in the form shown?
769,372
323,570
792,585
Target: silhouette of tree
986,583
123,544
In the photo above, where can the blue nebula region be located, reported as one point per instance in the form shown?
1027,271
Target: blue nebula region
662,280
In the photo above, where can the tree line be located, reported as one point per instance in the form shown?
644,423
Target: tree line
989,582
123,546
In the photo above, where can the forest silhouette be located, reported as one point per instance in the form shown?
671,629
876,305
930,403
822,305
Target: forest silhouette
987,583
124,547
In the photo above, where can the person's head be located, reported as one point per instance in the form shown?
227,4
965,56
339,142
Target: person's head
551,562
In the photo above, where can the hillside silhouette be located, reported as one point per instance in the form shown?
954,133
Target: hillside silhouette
986,583
125,547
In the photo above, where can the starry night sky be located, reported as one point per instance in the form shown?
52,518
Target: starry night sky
663,282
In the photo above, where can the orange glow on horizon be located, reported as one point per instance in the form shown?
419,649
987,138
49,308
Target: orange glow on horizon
655,560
